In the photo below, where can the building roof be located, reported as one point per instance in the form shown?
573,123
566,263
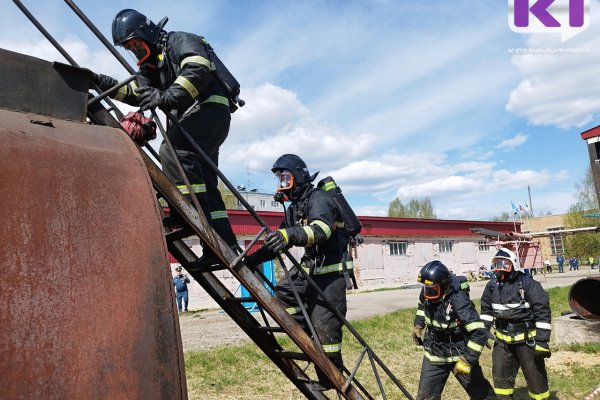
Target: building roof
244,224
590,133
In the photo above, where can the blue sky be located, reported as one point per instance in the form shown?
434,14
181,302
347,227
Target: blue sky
391,98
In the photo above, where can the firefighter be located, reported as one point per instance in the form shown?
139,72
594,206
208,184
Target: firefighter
309,222
175,75
518,307
454,334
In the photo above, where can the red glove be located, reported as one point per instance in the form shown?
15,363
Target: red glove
140,128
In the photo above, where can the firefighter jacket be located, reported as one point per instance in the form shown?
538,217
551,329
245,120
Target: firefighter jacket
453,325
183,72
518,308
310,222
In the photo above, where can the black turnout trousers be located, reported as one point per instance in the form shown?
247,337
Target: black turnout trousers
507,359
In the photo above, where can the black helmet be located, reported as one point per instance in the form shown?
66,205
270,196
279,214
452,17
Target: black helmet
437,278
129,24
296,166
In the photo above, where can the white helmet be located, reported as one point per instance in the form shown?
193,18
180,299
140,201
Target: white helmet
506,254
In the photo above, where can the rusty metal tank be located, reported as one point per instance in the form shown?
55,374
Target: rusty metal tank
86,301
584,298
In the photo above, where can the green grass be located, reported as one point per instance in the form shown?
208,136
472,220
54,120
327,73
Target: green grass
244,372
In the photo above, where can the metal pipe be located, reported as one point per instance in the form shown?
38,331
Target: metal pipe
111,90
584,298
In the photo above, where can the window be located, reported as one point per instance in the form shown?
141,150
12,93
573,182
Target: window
263,203
483,245
397,248
446,246
274,203
556,241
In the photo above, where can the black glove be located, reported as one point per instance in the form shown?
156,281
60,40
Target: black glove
149,97
542,350
277,240
104,82
251,260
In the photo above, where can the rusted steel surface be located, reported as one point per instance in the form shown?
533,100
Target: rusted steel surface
584,298
87,307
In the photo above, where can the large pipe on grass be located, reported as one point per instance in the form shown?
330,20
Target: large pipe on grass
584,298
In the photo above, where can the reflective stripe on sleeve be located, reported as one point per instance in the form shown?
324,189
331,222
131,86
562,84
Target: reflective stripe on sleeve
293,310
464,285
328,186
323,226
121,93
474,346
474,325
421,313
285,235
195,60
486,317
543,325
187,85
310,235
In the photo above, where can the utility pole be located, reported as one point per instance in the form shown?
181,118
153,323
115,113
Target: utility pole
530,203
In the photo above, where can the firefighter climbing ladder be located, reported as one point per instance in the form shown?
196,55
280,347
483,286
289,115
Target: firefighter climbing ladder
309,350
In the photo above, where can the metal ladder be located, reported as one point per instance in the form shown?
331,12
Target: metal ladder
309,350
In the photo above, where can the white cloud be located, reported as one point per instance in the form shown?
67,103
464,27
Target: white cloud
560,89
509,144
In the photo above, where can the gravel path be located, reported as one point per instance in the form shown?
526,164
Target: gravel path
208,329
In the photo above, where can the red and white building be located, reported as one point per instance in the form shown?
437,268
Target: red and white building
393,251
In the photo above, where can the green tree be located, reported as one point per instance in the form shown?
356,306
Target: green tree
588,244
228,197
502,217
415,208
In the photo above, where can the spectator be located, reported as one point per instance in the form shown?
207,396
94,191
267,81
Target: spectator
591,260
180,281
548,265
560,260
573,264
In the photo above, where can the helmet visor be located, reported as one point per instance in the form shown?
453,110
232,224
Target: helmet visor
432,291
502,265
285,180
139,49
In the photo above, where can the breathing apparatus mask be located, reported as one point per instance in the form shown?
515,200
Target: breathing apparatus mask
432,292
502,268
285,184
139,49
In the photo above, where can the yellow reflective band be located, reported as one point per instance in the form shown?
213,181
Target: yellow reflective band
504,392
540,396
133,85
323,226
293,310
474,325
332,348
160,57
464,285
329,268
218,214
437,359
474,346
197,188
195,60
217,99
428,321
540,348
328,186
285,236
310,239
516,338
187,85
120,95
421,313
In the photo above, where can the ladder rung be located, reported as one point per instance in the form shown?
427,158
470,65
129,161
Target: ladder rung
293,355
178,234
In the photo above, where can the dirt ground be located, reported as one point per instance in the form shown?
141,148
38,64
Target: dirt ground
208,329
